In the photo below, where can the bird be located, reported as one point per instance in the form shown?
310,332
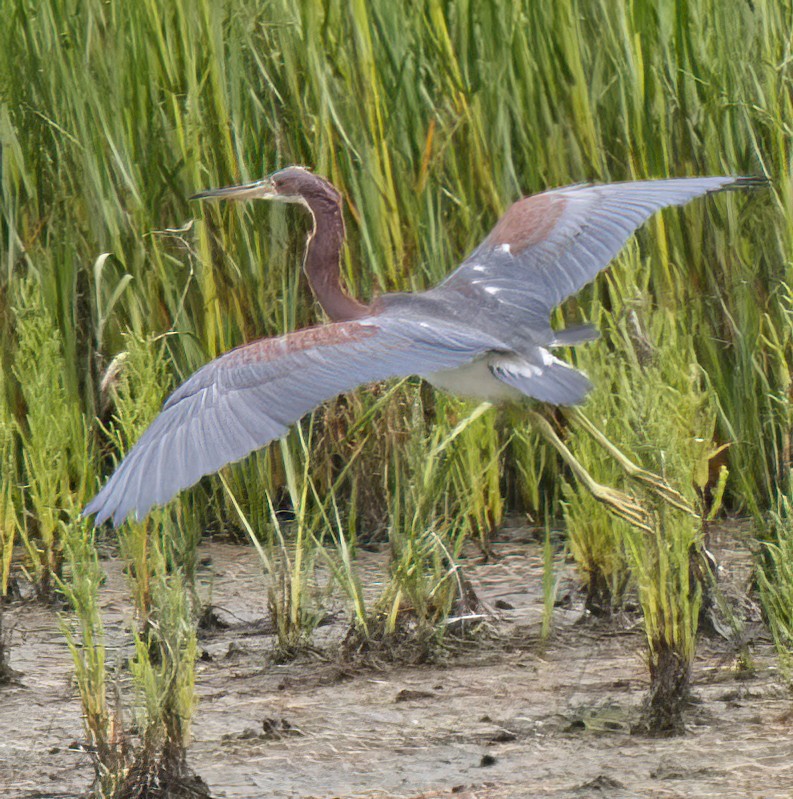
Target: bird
483,332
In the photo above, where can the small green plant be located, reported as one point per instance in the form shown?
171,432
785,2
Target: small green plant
422,587
670,593
55,450
345,574
161,554
292,597
475,461
163,672
84,632
596,542
289,557
437,501
9,489
775,578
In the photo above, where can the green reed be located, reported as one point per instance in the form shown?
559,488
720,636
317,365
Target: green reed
9,490
425,152
430,118
650,397
85,636
55,444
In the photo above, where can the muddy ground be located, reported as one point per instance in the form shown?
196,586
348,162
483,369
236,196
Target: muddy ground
502,716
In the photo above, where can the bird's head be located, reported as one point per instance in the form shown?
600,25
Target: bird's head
293,184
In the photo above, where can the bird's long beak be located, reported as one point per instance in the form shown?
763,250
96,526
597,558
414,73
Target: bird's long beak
260,190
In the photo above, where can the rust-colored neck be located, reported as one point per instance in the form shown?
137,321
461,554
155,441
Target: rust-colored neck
322,264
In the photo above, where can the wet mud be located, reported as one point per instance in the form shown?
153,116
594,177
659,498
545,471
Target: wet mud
501,715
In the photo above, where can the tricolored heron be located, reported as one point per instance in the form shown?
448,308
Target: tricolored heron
484,332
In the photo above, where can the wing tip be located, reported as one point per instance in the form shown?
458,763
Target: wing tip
746,182
103,509
99,511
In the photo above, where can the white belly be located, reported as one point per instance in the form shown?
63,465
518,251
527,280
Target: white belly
475,381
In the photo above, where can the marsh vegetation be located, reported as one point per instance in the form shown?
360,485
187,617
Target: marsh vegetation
430,119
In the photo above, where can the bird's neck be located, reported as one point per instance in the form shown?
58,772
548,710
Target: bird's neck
322,264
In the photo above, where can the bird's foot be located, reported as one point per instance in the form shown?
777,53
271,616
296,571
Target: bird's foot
622,505
662,490
619,503
650,480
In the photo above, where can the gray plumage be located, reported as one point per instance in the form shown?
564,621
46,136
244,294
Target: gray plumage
483,332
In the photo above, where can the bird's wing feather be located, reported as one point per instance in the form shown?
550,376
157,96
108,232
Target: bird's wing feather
547,247
249,397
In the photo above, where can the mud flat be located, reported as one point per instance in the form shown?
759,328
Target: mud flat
500,715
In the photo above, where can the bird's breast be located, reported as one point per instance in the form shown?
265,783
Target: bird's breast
474,381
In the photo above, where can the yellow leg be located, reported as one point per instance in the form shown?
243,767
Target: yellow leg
652,481
623,505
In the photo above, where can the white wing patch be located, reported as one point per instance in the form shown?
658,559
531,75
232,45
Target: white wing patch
548,359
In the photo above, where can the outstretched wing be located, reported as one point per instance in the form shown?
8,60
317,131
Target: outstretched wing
547,247
251,395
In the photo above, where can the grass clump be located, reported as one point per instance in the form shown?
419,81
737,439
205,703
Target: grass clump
775,578
161,559
85,636
445,496
670,593
55,446
596,543
653,401
287,549
163,673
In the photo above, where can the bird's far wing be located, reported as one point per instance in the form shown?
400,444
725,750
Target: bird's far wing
547,247
249,397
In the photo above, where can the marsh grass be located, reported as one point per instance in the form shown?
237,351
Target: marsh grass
654,401
444,497
84,633
775,578
160,553
430,119
56,450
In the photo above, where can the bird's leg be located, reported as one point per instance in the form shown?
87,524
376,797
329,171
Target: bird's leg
616,501
652,481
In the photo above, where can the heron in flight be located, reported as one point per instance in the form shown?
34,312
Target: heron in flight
484,332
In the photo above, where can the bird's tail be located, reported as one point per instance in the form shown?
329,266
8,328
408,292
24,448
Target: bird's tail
546,379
